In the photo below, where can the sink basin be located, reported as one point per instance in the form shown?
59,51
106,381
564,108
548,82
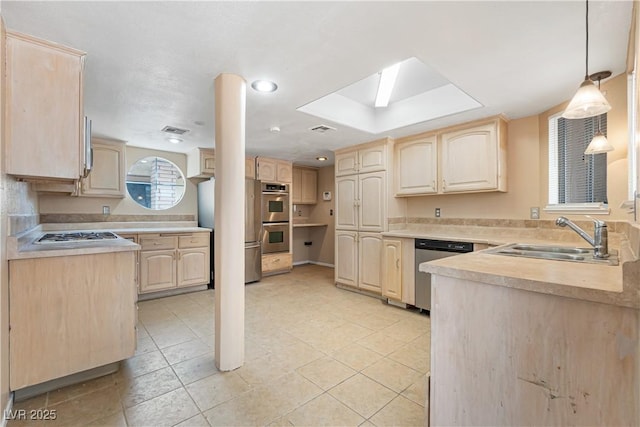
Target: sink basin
551,249
558,253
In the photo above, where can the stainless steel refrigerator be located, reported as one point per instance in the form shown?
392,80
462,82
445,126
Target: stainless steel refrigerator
252,224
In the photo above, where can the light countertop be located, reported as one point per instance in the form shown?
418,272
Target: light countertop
308,224
23,246
616,285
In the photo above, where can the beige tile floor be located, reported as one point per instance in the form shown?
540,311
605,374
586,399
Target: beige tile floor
314,355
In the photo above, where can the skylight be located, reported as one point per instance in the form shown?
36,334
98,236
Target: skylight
419,94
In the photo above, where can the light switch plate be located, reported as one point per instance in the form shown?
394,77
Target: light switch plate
106,210
326,195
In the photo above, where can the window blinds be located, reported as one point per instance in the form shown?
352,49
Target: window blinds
581,178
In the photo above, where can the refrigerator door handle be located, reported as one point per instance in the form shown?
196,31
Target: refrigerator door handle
251,245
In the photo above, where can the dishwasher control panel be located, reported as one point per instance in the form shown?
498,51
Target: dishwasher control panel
443,245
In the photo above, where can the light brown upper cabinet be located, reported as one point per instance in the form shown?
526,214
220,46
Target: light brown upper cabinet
250,168
201,163
416,166
44,128
474,159
304,186
369,159
462,159
107,177
273,170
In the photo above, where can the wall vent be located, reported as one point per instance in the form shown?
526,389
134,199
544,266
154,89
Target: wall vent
174,130
321,128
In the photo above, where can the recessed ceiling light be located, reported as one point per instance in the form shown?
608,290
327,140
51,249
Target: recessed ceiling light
264,86
174,140
321,158
274,129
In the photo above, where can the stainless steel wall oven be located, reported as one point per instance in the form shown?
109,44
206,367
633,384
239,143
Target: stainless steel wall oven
275,217
275,202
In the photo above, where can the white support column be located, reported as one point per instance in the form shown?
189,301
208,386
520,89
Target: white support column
230,99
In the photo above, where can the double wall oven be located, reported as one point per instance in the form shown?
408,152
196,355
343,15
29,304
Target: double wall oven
275,218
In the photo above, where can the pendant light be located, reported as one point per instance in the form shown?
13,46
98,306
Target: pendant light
599,143
588,100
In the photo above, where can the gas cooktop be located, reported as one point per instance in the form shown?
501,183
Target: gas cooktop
76,236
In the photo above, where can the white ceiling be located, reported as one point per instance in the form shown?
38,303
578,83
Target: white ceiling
151,64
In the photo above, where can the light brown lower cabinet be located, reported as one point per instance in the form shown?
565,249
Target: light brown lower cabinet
70,314
173,260
392,269
277,263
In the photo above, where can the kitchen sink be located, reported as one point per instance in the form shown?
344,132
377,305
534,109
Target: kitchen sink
558,253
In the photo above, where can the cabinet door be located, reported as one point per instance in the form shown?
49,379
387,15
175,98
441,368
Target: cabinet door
346,202
266,169
370,262
296,186
107,177
250,168
346,260
193,266
201,163
283,172
372,159
208,162
392,269
470,159
371,201
346,163
416,167
309,178
304,186
157,270
44,128
277,263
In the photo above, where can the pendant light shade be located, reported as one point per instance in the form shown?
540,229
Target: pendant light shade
598,144
588,100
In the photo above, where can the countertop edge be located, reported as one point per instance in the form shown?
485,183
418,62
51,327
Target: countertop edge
21,246
623,294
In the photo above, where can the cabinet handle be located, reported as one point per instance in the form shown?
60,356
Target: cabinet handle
398,263
433,184
444,184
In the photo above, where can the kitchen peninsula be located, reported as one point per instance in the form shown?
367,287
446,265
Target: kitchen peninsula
518,341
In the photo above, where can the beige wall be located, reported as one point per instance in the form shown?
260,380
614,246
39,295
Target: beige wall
60,204
527,169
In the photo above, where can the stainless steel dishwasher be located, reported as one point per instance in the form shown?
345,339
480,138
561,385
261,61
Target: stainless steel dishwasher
429,250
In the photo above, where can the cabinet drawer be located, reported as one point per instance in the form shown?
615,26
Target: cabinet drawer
199,240
157,243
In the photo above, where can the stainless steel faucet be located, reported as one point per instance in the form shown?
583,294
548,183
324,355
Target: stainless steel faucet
600,241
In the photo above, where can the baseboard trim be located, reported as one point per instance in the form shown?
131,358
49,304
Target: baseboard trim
6,415
322,264
171,292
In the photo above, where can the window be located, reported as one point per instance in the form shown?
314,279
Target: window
155,183
577,181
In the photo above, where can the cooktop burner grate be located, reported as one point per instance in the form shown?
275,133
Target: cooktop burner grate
82,236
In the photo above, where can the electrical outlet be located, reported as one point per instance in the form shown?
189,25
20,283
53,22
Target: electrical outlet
106,210
330,212
437,212
534,213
